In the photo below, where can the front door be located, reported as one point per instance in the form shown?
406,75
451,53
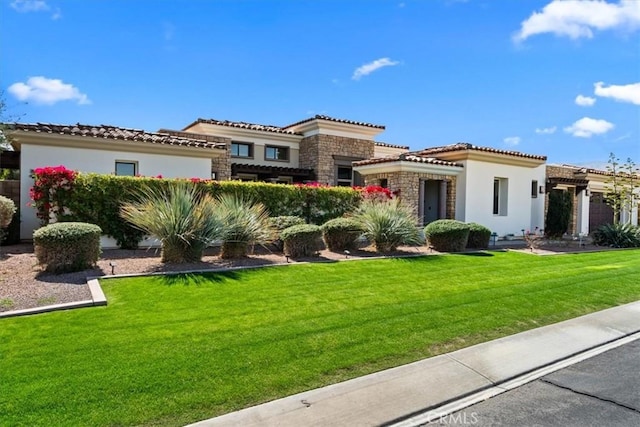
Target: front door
431,201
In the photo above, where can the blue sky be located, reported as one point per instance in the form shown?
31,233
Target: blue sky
560,79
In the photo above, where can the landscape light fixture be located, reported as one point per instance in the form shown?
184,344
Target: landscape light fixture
113,267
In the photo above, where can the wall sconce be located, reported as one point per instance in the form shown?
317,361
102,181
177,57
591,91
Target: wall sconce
213,176
587,192
541,189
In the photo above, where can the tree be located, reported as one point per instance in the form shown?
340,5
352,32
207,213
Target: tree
5,139
622,186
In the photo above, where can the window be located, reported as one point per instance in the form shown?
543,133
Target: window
241,149
126,168
534,189
344,176
276,153
500,193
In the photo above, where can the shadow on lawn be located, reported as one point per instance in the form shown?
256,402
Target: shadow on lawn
199,279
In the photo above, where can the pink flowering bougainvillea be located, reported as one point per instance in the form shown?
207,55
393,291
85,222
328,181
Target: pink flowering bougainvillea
375,192
51,186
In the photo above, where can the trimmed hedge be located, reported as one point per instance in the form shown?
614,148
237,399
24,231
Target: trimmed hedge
280,223
301,240
447,235
479,236
7,214
67,246
97,198
341,233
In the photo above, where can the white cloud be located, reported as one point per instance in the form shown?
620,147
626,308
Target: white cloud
547,131
577,19
585,101
24,6
586,127
369,68
623,93
512,140
42,90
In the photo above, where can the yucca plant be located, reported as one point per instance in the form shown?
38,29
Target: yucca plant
245,224
183,218
388,224
617,236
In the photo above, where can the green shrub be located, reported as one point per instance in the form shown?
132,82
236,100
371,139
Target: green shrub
97,198
301,240
479,236
341,233
617,236
244,223
387,224
558,213
279,223
67,246
181,216
7,213
447,235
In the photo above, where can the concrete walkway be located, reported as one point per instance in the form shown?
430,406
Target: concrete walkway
453,380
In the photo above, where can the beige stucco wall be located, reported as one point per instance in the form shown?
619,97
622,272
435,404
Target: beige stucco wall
100,161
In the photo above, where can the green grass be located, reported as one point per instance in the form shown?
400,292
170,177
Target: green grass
169,350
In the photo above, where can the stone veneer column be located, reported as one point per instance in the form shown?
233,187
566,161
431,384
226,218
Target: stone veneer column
317,152
409,185
221,165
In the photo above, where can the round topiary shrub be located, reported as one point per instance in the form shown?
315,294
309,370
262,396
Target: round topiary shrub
280,223
301,240
67,246
479,236
447,235
341,233
7,211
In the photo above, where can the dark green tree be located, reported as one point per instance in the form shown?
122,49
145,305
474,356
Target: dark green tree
558,213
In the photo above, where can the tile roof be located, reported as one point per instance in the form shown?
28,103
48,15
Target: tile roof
407,157
333,119
462,146
243,125
112,132
385,144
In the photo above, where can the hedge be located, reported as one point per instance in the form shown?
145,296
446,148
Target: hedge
479,236
302,240
97,198
67,246
447,235
341,233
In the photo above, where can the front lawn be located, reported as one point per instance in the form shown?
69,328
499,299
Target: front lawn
169,350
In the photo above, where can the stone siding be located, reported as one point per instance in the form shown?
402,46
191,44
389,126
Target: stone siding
317,152
221,165
11,190
407,184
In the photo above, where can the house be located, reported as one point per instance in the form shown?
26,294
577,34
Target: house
588,189
501,189
107,150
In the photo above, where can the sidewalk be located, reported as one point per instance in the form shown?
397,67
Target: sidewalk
393,395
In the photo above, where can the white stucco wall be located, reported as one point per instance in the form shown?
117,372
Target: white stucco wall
99,161
474,196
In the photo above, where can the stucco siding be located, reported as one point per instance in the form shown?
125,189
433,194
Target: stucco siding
99,161
523,212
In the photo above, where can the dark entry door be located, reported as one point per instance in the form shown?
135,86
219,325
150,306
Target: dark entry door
599,212
431,201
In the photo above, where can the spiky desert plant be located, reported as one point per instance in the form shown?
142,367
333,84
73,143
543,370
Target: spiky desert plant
388,224
245,223
182,217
